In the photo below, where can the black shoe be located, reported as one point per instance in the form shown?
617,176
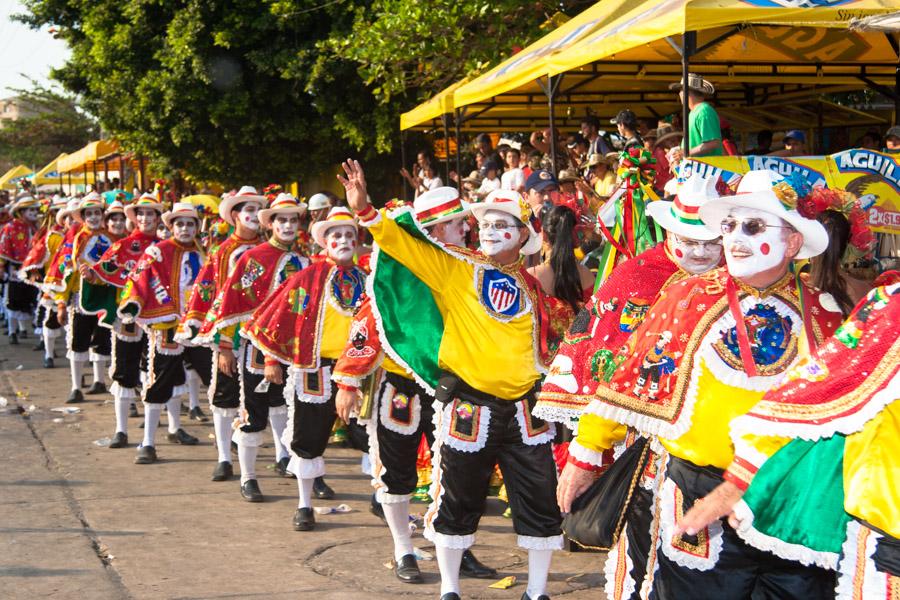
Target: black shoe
14,339
250,491
39,346
132,411
120,440
450,596
146,455
197,415
75,397
223,471
525,596
304,519
376,509
472,567
98,387
48,362
321,490
281,467
182,437
407,569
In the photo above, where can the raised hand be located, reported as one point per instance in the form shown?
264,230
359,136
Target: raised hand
355,185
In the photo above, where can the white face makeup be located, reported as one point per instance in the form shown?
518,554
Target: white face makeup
147,220
285,227
162,232
695,256
498,232
248,216
452,232
93,218
30,214
748,255
116,224
184,229
340,243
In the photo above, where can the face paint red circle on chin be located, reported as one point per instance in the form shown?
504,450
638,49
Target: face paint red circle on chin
765,249
679,253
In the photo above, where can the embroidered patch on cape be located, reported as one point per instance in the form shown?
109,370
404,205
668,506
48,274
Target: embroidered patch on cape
633,314
771,343
499,293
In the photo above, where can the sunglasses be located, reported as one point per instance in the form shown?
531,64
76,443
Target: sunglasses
750,227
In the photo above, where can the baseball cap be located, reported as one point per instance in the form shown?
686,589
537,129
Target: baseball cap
796,134
625,116
541,180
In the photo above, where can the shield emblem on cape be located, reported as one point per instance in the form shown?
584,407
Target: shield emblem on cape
500,293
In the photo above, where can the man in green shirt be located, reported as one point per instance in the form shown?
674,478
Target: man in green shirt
703,122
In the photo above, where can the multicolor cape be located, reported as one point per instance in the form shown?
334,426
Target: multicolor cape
254,278
363,352
15,241
93,298
38,254
159,285
119,261
795,505
209,282
61,261
690,334
288,326
590,351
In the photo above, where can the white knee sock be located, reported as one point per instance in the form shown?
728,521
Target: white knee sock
121,406
48,342
10,325
305,488
193,383
76,369
449,560
222,425
99,371
278,421
247,459
538,569
22,327
151,422
173,406
397,516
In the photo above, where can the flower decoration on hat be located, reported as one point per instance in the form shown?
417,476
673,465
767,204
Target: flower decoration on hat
637,168
272,190
822,199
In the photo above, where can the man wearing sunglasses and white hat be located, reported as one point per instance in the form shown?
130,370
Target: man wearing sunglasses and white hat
403,409
255,277
492,362
716,342
241,211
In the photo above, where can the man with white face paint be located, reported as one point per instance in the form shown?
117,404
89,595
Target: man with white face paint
155,297
304,325
707,351
255,277
241,212
492,360
59,255
128,340
591,349
403,409
87,340
15,241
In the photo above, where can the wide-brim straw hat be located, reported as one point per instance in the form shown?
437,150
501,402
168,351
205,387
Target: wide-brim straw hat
247,193
513,204
439,206
283,204
180,209
697,83
147,200
682,215
337,217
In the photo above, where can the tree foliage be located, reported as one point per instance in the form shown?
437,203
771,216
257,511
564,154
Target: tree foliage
52,124
270,90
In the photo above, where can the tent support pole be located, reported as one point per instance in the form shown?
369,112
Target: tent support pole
552,88
690,40
403,162
897,95
445,118
456,123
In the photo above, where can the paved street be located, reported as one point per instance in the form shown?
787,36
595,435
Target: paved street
79,520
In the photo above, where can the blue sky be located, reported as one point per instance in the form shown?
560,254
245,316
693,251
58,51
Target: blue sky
23,50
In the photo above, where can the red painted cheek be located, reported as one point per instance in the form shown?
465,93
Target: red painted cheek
333,245
507,236
765,249
679,253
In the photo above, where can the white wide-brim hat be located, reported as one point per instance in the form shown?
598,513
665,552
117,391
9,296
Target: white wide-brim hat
24,202
337,217
755,191
180,209
71,205
92,200
247,193
147,200
682,216
511,203
283,204
439,206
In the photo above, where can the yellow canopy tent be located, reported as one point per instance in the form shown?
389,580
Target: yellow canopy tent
49,175
85,159
8,180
